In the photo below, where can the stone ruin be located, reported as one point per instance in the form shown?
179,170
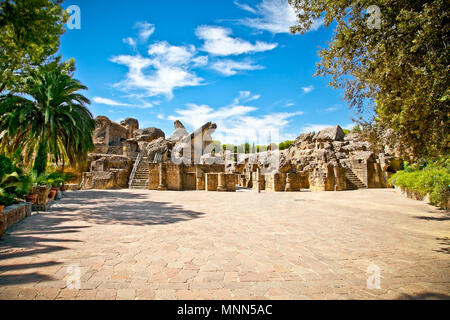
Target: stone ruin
128,157
327,160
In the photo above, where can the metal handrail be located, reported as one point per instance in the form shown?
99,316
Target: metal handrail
133,172
157,158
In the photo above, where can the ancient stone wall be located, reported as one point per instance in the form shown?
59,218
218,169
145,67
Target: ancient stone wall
211,180
107,171
13,214
275,181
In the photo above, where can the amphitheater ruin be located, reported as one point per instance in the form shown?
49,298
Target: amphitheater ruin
329,160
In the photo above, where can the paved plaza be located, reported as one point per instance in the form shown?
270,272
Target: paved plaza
140,244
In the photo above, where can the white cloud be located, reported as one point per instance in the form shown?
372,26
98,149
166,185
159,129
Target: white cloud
333,108
289,104
246,96
109,102
230,67
130,41
142,104
317,127
200,61
275,16
235,124
166,68
307,89
217,41
349,126
314,127
145,30
245,7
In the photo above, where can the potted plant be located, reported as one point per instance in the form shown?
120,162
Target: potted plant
32,197
42,189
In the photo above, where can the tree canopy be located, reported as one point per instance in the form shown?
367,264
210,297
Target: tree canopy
398,68
55,121
30,34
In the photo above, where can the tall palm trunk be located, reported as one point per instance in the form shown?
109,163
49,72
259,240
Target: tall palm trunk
40,163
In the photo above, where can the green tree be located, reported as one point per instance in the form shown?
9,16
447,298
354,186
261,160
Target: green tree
55,121
398,68
217,146
30,34
285,144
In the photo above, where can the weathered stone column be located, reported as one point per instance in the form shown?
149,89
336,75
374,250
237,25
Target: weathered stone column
258,179
221,182
289,178
161,185
198,178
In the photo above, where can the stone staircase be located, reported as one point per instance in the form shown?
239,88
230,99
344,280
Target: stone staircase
353,182
140,178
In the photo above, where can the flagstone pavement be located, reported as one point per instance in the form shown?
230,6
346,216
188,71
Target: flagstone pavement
142,244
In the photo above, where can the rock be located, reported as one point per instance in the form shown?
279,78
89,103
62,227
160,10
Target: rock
179,132
108,136
158,146
148,134
107,171
330,134
190,148
131,125
178,125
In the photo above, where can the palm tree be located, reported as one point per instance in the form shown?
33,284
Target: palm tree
51,119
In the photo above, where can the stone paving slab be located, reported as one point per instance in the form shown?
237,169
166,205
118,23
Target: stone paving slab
140,244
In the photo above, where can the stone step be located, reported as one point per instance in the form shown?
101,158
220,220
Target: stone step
139,181
353,182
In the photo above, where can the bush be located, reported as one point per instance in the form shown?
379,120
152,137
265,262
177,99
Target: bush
285,144
14,183
55,179
426,177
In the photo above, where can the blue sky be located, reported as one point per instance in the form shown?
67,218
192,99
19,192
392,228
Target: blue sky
230,62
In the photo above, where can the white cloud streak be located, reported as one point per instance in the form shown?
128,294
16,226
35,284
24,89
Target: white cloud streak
145,30
235,124
307,89
218,41
109,102
274,16
311,127
229,67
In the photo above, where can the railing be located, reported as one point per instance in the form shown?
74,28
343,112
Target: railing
157,158
133,172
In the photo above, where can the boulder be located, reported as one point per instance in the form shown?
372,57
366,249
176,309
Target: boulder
330,134
108,136
148,134
131,125
179,132
158,146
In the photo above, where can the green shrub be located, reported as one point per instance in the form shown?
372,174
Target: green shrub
285,144
426,177
14,183
55,179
